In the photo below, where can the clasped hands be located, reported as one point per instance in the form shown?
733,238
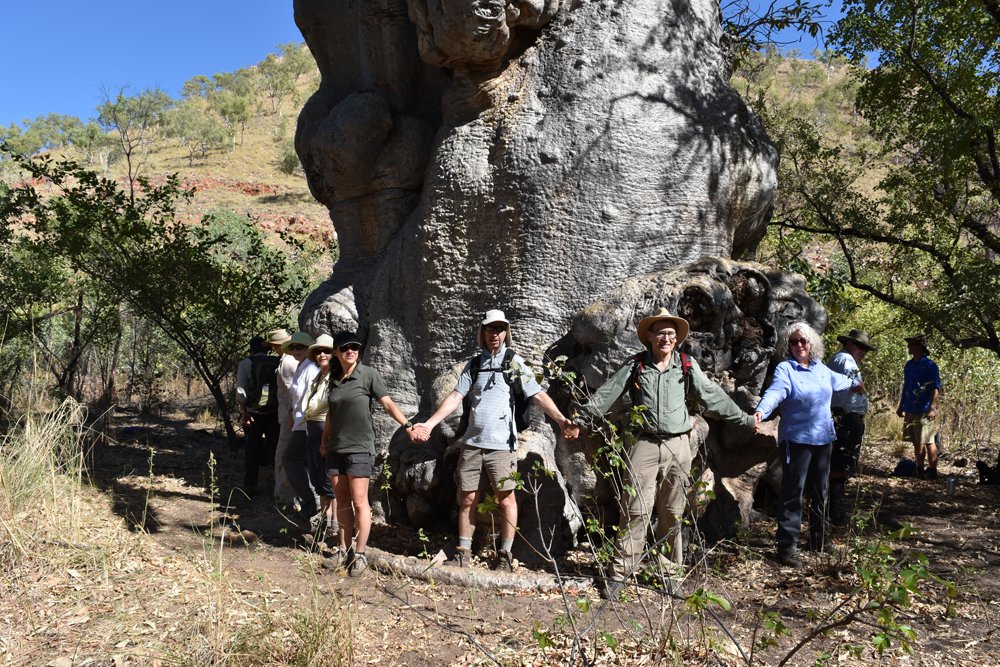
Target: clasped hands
419,433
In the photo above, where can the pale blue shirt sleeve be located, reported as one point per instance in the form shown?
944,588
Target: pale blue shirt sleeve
781,387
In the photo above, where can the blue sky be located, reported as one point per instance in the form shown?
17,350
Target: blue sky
57,55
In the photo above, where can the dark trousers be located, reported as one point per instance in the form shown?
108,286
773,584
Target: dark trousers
258,448
805,468
317,464
844,460
297,469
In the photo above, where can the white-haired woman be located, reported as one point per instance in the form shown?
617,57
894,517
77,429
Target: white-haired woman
800,392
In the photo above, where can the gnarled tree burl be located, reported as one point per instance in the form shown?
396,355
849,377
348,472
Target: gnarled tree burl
573,163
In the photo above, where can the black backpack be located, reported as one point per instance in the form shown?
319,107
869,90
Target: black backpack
263,373
519,403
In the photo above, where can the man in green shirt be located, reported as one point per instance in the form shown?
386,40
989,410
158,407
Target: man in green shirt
659,463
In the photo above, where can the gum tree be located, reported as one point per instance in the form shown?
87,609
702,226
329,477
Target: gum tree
926,237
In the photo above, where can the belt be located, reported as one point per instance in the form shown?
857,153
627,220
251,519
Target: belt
661,436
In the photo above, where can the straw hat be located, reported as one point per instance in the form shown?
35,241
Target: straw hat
680,324
277,337
323,342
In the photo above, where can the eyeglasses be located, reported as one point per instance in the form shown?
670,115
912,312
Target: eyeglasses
798,341
350,347
296,347
496,328
323,351
665,334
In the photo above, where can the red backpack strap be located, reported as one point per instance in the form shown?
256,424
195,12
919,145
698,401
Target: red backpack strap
686,372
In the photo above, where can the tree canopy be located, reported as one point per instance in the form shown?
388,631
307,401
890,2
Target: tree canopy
925,236
208,285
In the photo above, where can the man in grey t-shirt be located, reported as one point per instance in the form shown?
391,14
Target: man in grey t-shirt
489,441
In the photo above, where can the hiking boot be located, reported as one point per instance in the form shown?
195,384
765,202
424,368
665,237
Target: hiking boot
359,565
932,473
921,473
335,561
789,558
503,561
460,558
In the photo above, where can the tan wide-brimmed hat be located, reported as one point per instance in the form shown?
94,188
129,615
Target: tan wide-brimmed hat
493,317
858,337
680,324
323,342
277,337
298,338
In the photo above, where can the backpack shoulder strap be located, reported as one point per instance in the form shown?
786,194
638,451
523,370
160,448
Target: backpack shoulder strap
474,367
508,358
638,363
686,372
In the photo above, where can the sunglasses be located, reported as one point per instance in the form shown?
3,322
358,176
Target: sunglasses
296,347
323,350
798,341
350,347
496,328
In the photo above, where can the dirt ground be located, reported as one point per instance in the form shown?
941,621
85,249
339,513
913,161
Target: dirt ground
157,477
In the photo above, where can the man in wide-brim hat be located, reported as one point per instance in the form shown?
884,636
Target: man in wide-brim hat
849,408
659,462
487,388
918,404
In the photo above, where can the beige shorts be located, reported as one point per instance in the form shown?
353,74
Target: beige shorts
918,429
500,464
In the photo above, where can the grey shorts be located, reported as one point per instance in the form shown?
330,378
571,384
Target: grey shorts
353,465
500,464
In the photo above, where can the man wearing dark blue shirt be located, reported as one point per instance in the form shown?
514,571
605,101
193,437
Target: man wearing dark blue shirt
918,404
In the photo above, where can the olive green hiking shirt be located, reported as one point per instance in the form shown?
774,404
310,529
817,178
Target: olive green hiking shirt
662,393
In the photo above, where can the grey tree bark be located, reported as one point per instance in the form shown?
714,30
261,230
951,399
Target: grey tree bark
551,158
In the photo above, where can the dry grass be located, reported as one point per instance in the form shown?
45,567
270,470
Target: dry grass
77,585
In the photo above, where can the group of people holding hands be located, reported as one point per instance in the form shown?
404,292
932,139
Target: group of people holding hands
328,455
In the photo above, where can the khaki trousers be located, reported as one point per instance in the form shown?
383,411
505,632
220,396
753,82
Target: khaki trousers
660,473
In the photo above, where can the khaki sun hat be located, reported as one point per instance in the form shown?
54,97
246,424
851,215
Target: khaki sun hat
323,342
680,324
858,337
493,317
277,337
297,338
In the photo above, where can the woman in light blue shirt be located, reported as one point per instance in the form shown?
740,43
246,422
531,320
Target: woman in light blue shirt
800,392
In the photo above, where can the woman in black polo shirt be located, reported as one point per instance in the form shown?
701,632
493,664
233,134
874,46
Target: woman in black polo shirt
349,443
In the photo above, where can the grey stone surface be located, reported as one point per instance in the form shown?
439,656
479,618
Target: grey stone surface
554,159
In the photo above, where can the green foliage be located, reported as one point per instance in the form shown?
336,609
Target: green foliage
914,216
289,163
749,27
133,120
207,286
190,123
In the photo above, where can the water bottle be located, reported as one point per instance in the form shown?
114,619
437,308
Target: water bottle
265,392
